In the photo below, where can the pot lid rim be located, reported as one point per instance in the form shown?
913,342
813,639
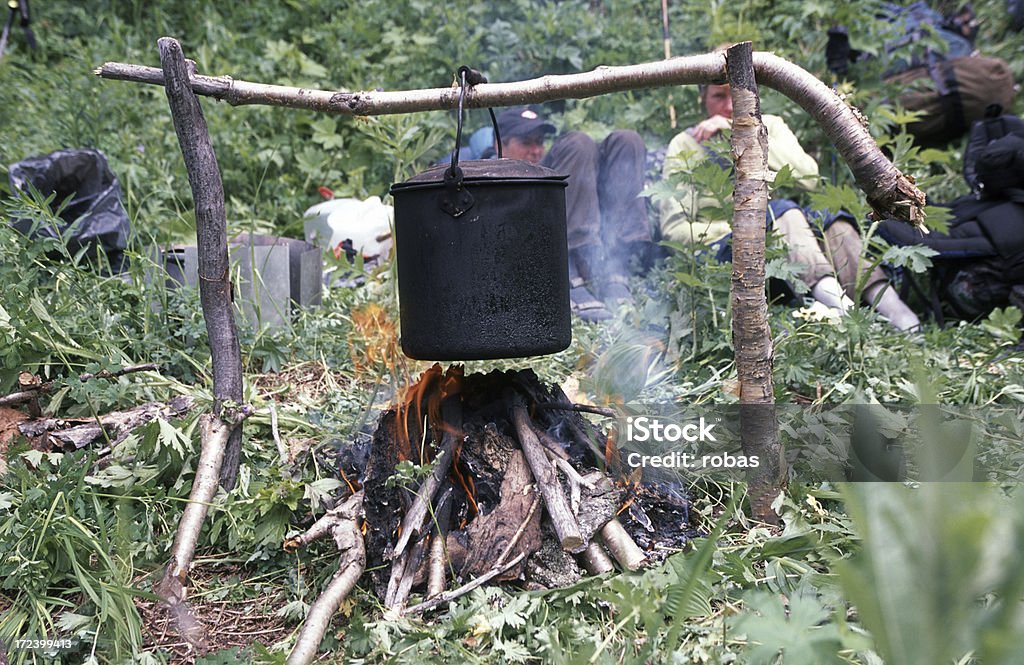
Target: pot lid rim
482,170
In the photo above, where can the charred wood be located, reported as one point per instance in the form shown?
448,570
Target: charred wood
579,408
512,523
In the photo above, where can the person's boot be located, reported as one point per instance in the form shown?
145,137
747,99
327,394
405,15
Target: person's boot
615,290
582,271
888,304
828,291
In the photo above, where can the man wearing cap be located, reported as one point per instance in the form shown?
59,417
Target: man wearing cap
606,219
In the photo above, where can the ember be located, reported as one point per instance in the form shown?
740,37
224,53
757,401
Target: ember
497,477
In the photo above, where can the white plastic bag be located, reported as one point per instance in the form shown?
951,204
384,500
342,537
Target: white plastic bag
366,223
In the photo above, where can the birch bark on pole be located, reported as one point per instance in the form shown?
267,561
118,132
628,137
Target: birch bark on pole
211,235
751,336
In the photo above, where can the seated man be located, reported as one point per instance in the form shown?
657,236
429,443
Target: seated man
606,220
843,241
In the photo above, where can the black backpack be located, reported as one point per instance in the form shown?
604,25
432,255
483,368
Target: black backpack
980,262
994,156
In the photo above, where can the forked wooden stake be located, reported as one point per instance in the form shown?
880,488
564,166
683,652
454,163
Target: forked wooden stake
750,331
212,243
343,523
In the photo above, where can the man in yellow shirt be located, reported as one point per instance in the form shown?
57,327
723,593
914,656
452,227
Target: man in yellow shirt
832,282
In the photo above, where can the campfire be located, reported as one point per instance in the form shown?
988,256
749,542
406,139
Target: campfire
496,477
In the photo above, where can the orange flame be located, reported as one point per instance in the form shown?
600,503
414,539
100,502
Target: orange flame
611,452
419,410
632,484
373,341
466,483
351,487
409,411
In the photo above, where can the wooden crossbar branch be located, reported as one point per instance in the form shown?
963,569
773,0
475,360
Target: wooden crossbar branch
889,192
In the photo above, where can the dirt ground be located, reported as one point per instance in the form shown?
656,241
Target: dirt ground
228,622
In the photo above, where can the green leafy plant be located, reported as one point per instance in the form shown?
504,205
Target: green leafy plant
937,578
59,578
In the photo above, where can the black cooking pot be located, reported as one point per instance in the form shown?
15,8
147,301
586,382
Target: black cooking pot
483,268
482,261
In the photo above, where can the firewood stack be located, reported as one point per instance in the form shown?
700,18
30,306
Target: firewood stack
508,488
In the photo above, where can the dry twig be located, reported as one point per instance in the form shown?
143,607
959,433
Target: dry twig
449,596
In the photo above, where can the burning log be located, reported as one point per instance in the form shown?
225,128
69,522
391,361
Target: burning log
513,522
561,515
416,516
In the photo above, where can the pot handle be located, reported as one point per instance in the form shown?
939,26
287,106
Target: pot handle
457,200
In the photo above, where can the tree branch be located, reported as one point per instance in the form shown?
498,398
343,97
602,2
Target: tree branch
214,432
212,243
449,596
751,334
888,190
35,389
343,524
